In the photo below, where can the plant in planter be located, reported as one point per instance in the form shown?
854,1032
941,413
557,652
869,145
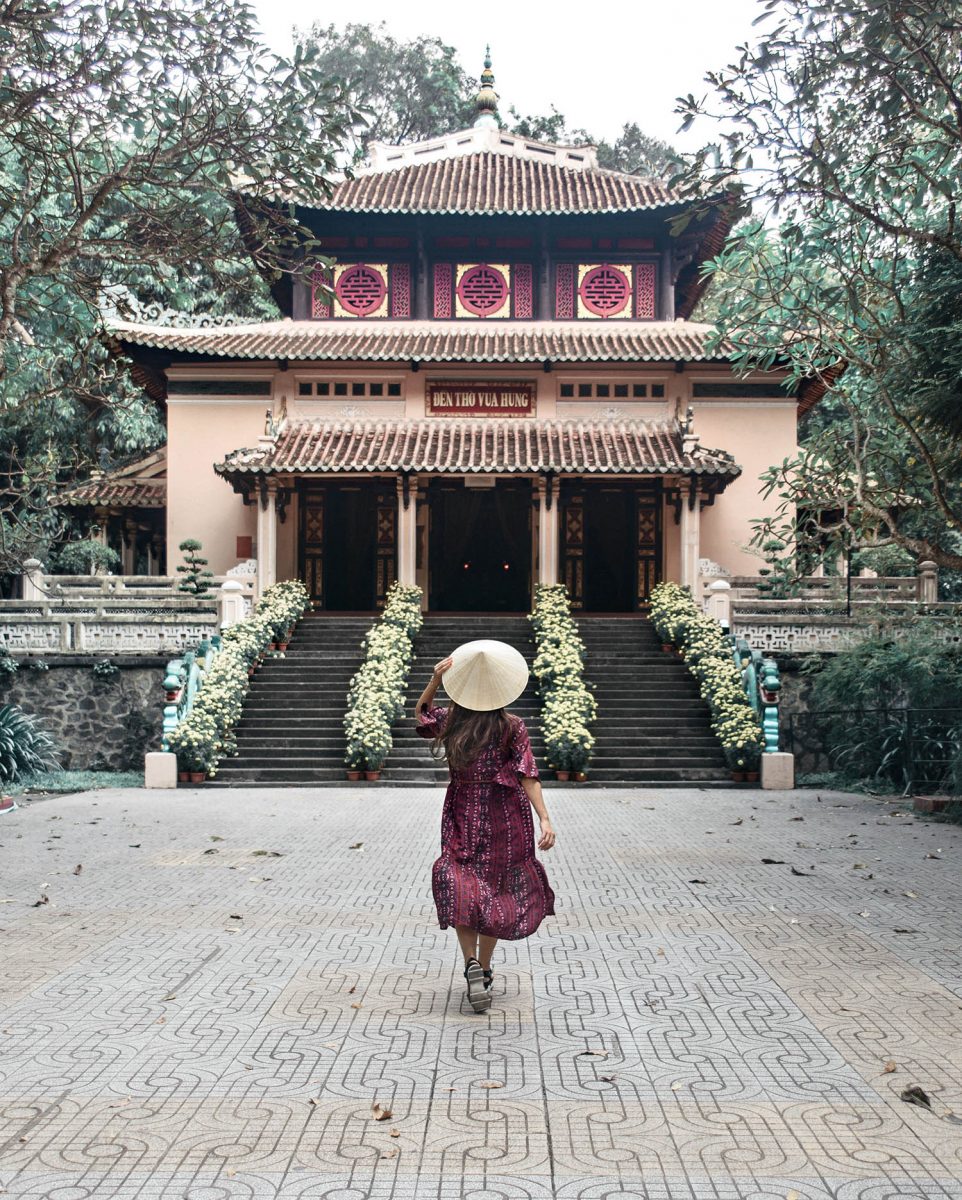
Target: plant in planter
196,577
8,665
86,557
568,707
25,746
105,670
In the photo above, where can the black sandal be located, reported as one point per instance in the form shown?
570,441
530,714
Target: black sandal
488,976
478,995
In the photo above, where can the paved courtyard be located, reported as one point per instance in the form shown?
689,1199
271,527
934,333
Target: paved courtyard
189,1016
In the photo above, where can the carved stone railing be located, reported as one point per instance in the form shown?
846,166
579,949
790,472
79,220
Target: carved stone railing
793,627
835,590
37,584
106,626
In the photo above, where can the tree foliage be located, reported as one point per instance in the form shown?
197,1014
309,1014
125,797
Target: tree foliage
124,126
842,125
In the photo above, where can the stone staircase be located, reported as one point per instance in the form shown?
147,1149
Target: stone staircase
291,732
410,761
653,728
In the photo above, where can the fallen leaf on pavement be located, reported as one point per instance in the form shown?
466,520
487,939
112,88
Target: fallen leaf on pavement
394,1131
738,822
774,861
490,1083
866,913
379,1113
889,1067
266,854
215,838
351,989
356,846
608,1078
915,1095
592,1054
796,871
911,895
697,880
661,952
172,996
898,929
859,866
78,868
212,850
236,917
391,1152
796,818
356,1004
313,1101
135,845
44,899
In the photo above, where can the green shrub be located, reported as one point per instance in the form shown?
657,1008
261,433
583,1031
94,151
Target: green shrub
196,577
86,558
25,746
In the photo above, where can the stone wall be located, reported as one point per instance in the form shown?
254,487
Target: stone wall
795,701
105,724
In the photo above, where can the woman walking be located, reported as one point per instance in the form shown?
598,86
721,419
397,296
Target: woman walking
487,882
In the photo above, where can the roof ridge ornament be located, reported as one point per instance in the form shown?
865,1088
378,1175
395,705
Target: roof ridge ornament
486,100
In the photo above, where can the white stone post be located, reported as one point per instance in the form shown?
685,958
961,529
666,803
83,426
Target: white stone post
928,582
778,772
690,534
407,533
548,532
267,538
719,603
230,604
160,769
33,580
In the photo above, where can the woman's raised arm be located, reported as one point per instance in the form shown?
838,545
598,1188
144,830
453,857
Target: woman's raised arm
427,696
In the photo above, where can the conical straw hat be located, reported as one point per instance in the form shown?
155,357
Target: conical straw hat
485,675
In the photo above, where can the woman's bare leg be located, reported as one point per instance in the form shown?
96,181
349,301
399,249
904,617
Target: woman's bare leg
468,939
486,947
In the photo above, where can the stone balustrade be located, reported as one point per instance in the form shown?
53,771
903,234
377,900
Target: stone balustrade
784,627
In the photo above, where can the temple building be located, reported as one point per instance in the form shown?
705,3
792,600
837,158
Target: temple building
497,382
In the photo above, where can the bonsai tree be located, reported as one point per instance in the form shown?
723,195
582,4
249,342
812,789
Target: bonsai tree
196,577
87,557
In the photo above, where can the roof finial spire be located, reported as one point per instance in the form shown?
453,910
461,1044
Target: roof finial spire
486,100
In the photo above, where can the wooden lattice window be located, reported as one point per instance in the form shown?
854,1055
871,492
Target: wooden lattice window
483,290
360,290
605,291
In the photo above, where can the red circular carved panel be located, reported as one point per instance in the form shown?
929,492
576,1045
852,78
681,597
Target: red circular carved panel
360,290
482,290
605,291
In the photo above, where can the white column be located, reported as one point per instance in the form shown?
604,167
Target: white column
690,533
407,533
267,538
548,532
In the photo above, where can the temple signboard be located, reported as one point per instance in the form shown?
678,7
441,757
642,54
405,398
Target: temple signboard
480,399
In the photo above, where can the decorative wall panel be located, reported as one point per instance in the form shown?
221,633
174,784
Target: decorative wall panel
523,288
320,299
483,290
645,291
564,305
400,276
443,290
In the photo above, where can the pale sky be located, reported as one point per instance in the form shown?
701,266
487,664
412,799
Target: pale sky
600,63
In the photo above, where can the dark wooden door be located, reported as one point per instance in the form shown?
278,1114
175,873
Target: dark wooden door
348,538
480,547
610,545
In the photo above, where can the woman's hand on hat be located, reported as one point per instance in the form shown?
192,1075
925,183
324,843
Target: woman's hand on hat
442,666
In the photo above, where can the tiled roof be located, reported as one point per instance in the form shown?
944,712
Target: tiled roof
482,446
437,341
489,183
141,484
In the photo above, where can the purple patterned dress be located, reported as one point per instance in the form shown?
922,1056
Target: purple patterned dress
487,877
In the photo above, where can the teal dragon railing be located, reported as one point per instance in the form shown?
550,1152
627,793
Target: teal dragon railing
762,685
182,680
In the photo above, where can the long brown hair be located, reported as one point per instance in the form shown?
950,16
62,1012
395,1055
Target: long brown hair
466,732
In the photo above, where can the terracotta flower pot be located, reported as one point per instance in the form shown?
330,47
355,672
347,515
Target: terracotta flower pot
198,776
667,647
738,776
580,777
183,776
354,775
751,776
282,645
562,776
372,774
